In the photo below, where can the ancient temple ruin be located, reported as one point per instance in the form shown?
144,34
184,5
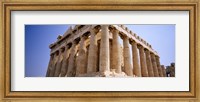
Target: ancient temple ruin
95,51
170,70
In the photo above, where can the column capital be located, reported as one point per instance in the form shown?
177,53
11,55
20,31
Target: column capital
124,37
140,47
68,45
75,41
146,50
94,31
84,37
57,52
52,54
156,56
62,49
133,42
151,53
114,30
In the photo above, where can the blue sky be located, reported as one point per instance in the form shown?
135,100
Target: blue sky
39,37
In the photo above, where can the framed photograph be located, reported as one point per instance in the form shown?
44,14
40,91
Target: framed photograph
100,49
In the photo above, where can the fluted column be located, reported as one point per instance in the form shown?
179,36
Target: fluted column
163,71
92,54
110,54
158,66
65,61
81,61
71,65
143,62
127,57
104,49
49,66
116,58
54,64
154,65
136,68
59,63
149,63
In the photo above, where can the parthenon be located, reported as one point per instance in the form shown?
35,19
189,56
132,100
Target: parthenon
95,51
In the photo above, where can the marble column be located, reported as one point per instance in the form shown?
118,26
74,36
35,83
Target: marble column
116,58
92,54
81,58
104,49
158,66
54,62
65,61
143,62
110,54
163,71
136,68
49,66
127,57
149,63
154,65
71,65
59,63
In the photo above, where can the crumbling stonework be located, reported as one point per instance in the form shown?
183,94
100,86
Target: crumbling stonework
170,70
95,51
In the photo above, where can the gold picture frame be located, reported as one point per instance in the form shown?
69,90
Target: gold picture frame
123,5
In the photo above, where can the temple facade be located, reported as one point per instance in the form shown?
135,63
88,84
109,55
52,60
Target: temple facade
96,51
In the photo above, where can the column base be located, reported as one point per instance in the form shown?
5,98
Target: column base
104,74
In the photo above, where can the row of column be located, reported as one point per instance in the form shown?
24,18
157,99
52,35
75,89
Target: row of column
149,63
64,64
